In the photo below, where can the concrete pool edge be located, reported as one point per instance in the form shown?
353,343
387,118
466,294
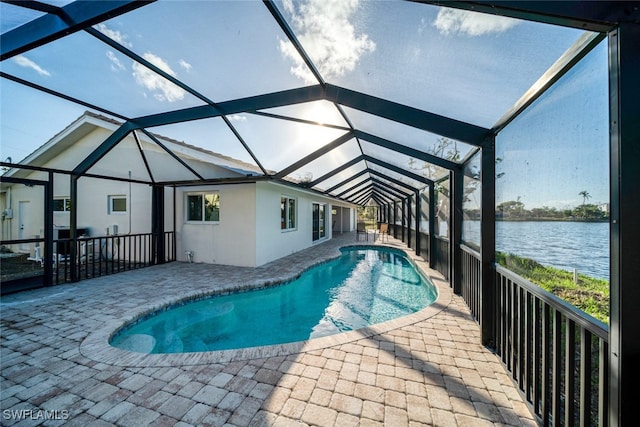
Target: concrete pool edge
96,345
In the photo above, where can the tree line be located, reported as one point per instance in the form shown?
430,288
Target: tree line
514,210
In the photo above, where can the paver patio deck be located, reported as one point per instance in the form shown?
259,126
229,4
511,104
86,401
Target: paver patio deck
427,369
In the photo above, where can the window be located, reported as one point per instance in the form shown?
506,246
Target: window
117,204
203,207
287,213
61,204
317,221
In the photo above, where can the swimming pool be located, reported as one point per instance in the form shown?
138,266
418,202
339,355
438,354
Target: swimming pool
363,287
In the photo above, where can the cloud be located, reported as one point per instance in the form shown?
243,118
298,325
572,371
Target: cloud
471,23
422,26
116,65
324,29
23,61
163,89
237,118
116,36
184,64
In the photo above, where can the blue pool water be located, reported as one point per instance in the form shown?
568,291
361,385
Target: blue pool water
362,287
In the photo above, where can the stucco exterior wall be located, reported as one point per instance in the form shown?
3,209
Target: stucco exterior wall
271,241
248,232
229,241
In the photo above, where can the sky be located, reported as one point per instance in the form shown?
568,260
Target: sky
468,66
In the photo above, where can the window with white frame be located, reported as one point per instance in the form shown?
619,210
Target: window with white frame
61,204
117,204
203,207
287,213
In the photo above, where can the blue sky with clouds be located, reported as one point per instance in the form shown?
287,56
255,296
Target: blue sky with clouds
465,65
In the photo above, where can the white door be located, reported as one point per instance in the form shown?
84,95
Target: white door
23,223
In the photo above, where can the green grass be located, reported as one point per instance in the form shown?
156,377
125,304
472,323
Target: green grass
590,295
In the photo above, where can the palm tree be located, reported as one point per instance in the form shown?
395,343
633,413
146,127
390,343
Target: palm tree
585,196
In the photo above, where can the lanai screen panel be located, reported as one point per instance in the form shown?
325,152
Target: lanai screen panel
555,165
411,164
392,184
223,49
279,143
328,161
472,202
19,137
13,16
341,176
397,176
366,177
468,66
409,136
319,112
358,189
125,161
83,67
442,202
210,137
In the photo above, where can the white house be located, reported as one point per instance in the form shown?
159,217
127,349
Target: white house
241,219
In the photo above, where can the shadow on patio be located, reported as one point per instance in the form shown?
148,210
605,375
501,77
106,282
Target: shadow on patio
432,372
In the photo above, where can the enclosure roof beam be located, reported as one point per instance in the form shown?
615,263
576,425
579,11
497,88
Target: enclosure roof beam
353,187
395,181
383,195
390,188
410,116
346,181
360,199
60,22
585,44
377,196
399,170
282,22
313,156
377,200
102,150
388,192
372,186
599,16
336,171
171,153
236,106
61,95
358,194
403,149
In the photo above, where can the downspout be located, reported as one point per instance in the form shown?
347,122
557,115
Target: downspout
130,203
9,225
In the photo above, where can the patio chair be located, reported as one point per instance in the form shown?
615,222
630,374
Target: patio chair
361,229
384,231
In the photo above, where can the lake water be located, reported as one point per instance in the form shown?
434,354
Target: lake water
565,245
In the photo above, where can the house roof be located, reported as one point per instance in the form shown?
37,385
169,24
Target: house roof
360,100
89,121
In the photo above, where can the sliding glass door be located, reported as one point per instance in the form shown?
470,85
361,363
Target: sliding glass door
318,221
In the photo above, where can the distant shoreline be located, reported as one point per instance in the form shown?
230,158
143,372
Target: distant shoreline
530,219
543,219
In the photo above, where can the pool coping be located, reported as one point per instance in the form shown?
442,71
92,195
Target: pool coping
96,345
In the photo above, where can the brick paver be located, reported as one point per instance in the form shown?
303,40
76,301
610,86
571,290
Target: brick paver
429,372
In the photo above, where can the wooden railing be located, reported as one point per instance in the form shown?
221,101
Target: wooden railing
471,280
441,253
556,354
104,255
